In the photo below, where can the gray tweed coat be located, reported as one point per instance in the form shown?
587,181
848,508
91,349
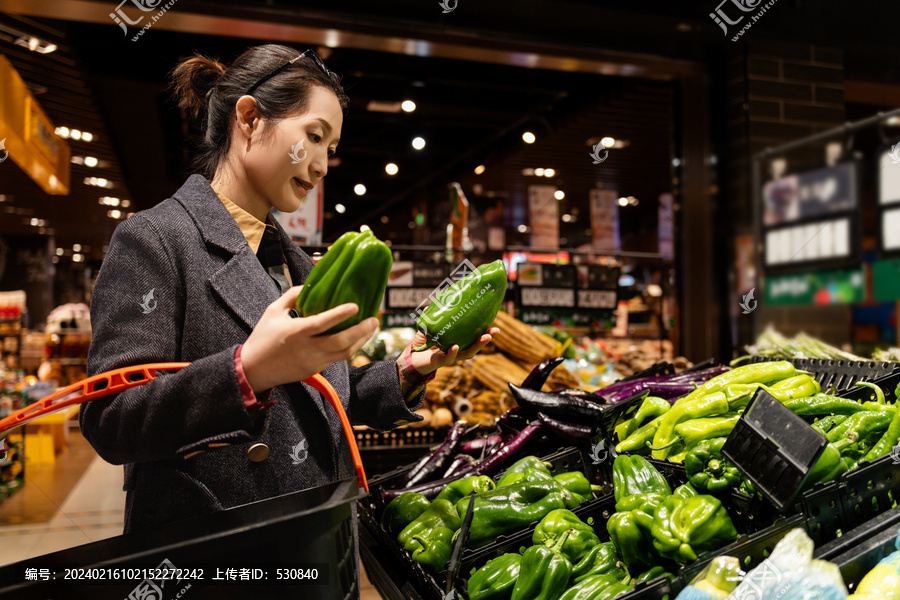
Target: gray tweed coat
208,291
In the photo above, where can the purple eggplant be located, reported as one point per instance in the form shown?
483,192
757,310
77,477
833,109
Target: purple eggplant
461,460
580,393
557,405
660,389
436,459
538,376
500,456
701,375
475,446
571,431
512,422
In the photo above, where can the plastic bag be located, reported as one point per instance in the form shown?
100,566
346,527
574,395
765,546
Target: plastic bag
715,581
791,574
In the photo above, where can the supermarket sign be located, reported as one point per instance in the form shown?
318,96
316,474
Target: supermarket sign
822,288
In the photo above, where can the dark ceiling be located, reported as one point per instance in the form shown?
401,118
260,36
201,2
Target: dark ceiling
470,112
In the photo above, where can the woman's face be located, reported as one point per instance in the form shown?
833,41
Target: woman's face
285,162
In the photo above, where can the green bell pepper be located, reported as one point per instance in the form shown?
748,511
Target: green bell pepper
650,408
464,311
496,579
543,574
541,474
652,574
602,559
683,527
637,441
462,488
829,466
722,575
403,510
510,508
441,513
595,587
708,470
689,407
581,537
354,270
634,475
634,547
434,548
577,483
528,462
642,505
685,490
696,430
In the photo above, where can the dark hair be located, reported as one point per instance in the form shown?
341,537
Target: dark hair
204,86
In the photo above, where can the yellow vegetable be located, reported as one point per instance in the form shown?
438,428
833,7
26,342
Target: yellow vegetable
442,418
881,583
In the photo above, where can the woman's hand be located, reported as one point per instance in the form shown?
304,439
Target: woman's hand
431,359
282,349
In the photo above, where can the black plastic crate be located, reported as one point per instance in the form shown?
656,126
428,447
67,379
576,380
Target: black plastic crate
660,368
392,558
841,374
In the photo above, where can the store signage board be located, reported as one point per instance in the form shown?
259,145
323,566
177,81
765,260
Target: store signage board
605,220
543,211
811,194
304,225
29,137
889,175
886,280
597,287
819,288
812,242
546,286
410,284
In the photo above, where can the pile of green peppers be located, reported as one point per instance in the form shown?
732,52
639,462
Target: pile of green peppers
526,493
567,561
693,429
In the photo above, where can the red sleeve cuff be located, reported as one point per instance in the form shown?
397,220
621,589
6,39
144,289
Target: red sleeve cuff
253,404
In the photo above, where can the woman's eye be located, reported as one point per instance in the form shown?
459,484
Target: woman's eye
331,152
315,137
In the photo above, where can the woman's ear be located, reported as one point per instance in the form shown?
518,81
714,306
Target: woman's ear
247,115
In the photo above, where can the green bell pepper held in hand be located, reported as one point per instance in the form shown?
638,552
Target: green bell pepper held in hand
465,310
528,462
634,475
708,470
684,527
510,508
634,547
433,548
696,430
355,269
581,537
402,511
602,559
887,441
577,483
496,579
441,513
684,410
595,587
461,488
650,408
637,441
543,574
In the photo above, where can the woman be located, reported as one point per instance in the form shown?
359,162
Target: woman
199,278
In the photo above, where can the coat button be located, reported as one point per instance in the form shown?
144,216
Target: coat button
258,452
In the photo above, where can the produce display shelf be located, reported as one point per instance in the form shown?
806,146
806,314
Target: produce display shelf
838,374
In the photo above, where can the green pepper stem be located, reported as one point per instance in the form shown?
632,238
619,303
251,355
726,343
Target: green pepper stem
677,440
879,393
596,488
627,579
739,360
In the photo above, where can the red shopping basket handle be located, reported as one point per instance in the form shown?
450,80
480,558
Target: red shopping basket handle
117,380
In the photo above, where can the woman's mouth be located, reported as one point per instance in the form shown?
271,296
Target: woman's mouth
303,184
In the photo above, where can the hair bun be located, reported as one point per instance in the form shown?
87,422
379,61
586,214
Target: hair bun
193,81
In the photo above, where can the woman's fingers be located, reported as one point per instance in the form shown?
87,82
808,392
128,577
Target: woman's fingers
324,321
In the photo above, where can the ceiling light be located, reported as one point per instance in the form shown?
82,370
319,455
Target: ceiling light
35,222
340,208
59,251
383,106
109,201
418,143
548,172
35,45
125,203
359,189
75,134
62,132
654,290
114,214
527,172
391,169
567,218
608,142
77,257
623,201
676,162
528,137
364,228
76,247
632,201
479,169
77,160
408,106
90,161
559,194
538,172
384,219
86,137
98,181
522,228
